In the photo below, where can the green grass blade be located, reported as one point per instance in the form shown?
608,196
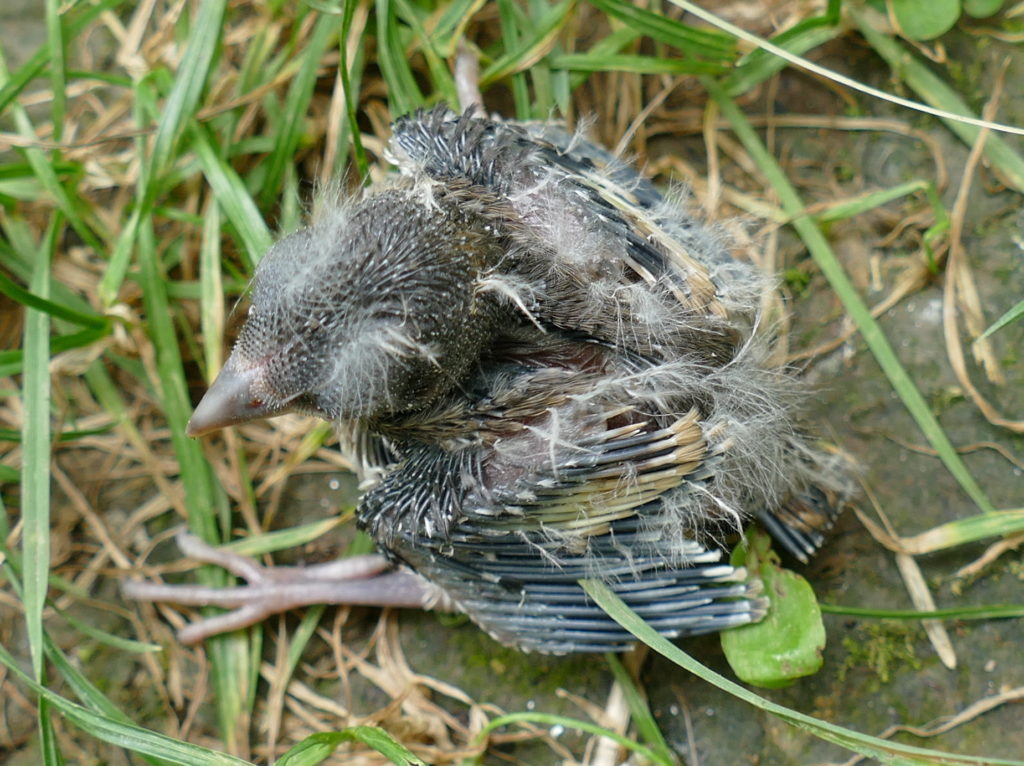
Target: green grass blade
296,107
606,46
35,440
441,78
318,747
56,310
234,665
77,19
531,47
49,748
451,24
234,199
403,92
963,531
761,64
589,62
189,83
43,169
697,42
842,79
871,200
545,719
991,612
211,304
171,386
35,474
510,16
864,744
872,333
119,643
1012,315
125,735
231,659
289,538
933,91
88,694
643,719
351,98
120,260
58,74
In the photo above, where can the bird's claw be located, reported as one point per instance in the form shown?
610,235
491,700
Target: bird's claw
357,580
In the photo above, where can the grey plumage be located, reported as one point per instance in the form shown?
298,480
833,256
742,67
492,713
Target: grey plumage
544,371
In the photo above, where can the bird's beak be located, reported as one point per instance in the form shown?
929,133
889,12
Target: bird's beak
230,400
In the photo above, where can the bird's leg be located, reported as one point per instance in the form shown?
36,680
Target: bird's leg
369,580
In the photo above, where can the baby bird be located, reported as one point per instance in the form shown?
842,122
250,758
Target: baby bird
543,371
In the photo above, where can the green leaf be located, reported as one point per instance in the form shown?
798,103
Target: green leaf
35,440
788,643
441,78
982,9
289,538
351,94
11,361
924,19
510,16
75,20
108,639
58,70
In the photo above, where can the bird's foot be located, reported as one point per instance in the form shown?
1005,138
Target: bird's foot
369,580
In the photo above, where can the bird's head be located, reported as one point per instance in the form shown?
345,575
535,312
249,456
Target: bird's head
370,312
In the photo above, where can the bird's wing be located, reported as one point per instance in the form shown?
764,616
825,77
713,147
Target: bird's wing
579,488
531,511
514,561
525,594
630,205
584,230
